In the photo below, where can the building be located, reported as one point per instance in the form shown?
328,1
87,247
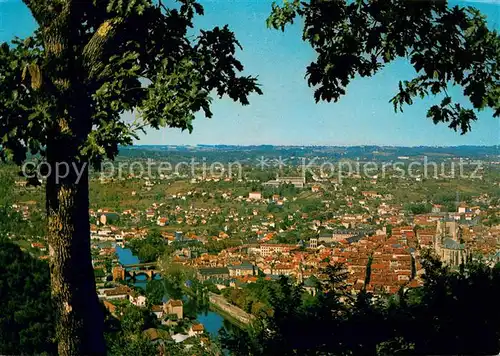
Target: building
156,336
448,228
436,208
274,249
162,221
157,311
370,194
452,253
298,182
118,273
110,307
120,292
174,307
255,195
447,245
425,238
243,269
137,299
208,273
463,208
340,235
283,269
336,235
179,236
196,329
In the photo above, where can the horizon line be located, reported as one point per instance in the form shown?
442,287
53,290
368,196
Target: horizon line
308,145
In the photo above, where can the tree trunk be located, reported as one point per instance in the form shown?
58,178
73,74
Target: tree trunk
79,324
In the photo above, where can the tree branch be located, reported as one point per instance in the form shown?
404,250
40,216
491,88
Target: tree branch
42,10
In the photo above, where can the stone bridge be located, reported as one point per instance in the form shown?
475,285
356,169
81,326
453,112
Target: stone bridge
133,270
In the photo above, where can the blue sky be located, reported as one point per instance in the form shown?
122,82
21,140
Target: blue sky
286,114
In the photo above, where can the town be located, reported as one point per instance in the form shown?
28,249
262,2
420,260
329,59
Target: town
211,237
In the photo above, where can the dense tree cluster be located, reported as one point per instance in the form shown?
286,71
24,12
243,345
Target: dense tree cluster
455,312
27,317
149,248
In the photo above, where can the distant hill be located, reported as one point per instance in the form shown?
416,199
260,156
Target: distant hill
225,153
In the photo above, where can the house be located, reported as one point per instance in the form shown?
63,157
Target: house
370,194
156,336
196,329
137,299
120,292
110,307
179,236
150,214
436,208
157,310
463,208
315,188
475,209
119,238
255,195
174,306
162,221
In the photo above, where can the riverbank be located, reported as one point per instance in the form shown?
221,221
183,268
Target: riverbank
228,317
222,305
227,313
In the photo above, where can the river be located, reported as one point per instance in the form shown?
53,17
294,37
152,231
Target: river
212,321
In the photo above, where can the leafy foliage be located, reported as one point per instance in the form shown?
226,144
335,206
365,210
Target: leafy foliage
253,298
114,57
155,291
149,248
130,340
447,46
418,208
